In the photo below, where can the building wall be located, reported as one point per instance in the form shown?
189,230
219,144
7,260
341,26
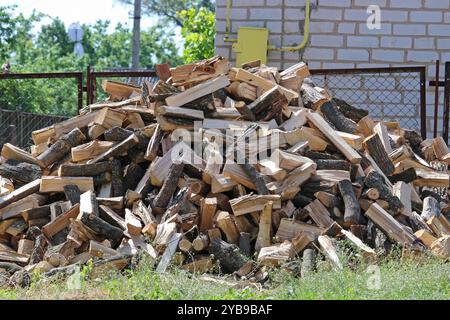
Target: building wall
413,32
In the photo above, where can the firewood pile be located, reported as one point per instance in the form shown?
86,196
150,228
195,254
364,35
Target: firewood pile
215,168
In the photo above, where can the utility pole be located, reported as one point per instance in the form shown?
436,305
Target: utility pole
136,34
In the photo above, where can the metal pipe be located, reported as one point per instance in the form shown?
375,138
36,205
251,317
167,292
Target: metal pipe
305,33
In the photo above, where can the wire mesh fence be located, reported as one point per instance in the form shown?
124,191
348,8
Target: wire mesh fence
386,95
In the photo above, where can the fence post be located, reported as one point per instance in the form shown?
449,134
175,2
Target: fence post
423,103
446,101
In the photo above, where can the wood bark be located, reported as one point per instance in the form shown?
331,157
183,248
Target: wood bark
230,257
376,180
349,111
62,147
431,208
169,186
40,245
407,176
117,179
376,149
84,170
72,193
102,228
20,172
352,213
325,164
336,117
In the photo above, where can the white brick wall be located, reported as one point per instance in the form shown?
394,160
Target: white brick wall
413,32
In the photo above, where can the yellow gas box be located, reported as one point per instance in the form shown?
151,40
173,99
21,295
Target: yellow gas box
251,45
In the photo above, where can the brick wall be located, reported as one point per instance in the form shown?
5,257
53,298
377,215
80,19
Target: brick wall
413,32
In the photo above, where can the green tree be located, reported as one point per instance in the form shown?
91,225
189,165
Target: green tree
198,34
168,9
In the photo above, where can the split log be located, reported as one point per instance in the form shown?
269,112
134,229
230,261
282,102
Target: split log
61,147
207,211
406,176
308,262
134,225
375,148
431,208
331,112
302,241
170,184
375,180
102,228
84,170
225,222
20,193
62,221
117,178
201,242
326,164
40,245
352,213
117,150
110,216
229,255
329,250
20,172
264,238
153,145
252,203
169,252
51,184
72,193
268,106
349,111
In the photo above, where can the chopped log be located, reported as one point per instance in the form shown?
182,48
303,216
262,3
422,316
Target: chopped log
340,143
164,233
134,226
431,208
432,179
439,225
329,164
252,203
268,106
289,229
117,149
403,191
366,251
113,203
90,150
36,213
374,147
20,193
275,255
201,264
153,146
62,221
375,180
331,112
169,252
319,214
201,242
20,172
56,184
11,152
197,91
350,111
391,227
371,194
406,176
308,262
441,247
84,170
224,221
102,228
352,213
381,130
72,193
207,211
302,241
229,255
220,183
329,250
117,178
256,178
61,147
40,245
100,251
440,148
265,227
110,216
244,243
426,237
170,184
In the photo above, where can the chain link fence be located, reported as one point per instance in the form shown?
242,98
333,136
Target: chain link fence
389,94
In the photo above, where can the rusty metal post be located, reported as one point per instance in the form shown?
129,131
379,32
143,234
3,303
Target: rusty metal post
446,101
436,100
88,84
80,91
423,103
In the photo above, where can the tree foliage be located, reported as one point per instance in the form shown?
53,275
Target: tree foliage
169,9
51,50
198,33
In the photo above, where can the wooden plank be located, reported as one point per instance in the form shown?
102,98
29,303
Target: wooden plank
340,143
264,238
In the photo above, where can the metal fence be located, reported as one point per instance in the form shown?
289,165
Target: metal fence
16,127
387,93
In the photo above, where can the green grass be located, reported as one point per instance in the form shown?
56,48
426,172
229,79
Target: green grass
399,279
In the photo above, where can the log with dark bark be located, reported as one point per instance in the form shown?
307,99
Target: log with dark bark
336,117
407,176
133,174
61,147
153,145
324,164
301,200
255,177
314,155
84,170
169,186
117,134
117,179
375,148
72,193
308,262
102,228
376,180
40,245
244,243
414,140
352,213
230,257
20,172
430,193
431,208
350,111
269,105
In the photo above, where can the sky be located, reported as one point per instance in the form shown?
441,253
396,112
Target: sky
82,11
